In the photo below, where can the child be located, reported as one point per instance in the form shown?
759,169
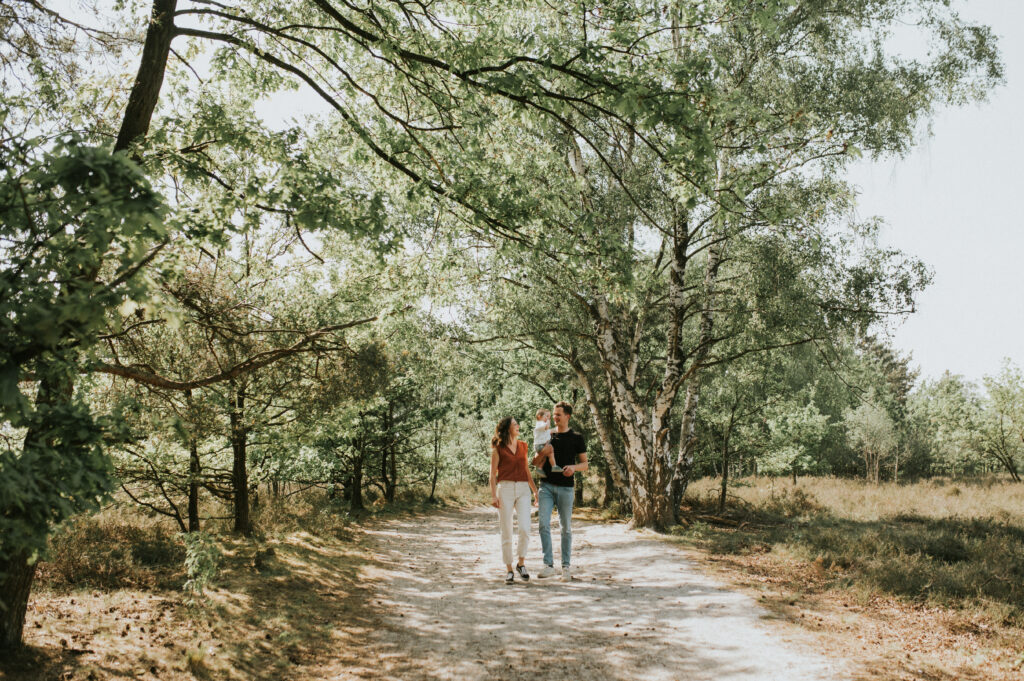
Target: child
542,439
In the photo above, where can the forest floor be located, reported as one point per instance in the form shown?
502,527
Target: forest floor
421,596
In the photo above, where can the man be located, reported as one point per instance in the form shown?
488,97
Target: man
557,489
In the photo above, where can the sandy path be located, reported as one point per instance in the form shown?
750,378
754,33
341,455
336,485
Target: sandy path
638,610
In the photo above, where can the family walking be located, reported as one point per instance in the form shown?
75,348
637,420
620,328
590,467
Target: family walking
558,454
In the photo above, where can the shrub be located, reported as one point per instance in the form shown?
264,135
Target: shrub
112,550
202,555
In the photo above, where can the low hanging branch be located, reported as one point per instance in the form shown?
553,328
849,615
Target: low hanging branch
257,361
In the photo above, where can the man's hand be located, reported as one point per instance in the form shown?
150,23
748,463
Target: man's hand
568,471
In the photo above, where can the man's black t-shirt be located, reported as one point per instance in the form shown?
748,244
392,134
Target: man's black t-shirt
567,446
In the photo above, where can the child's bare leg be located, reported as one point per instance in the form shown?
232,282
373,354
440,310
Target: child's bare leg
549,452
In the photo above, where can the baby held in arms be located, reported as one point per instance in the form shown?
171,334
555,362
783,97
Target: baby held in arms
542,439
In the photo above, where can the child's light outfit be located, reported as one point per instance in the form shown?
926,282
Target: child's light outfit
541,435
541,438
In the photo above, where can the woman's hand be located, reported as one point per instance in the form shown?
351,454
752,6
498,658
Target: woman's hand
535,502
495,502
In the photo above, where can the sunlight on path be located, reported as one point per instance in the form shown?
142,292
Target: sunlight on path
639,610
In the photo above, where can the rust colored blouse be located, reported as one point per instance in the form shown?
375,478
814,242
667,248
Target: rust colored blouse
512,466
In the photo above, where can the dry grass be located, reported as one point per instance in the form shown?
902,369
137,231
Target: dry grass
983,498
111,550
917,581
108,602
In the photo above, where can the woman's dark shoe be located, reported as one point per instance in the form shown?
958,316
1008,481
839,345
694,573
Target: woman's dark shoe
510,577
523,574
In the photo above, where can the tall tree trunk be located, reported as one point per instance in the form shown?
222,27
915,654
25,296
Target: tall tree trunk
355,490
194,470
688,430
609,488
646,465
603,427
725,476
725,458
240,469
436,460
16,574
193,485
56,387
150,78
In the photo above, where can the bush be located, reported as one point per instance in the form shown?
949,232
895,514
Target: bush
112,550
202,555
792,504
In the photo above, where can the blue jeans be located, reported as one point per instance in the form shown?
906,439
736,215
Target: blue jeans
548,497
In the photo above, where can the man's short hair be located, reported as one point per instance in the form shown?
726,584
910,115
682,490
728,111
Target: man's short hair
566,408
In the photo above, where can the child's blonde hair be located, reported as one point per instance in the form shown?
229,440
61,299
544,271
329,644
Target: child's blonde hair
541,412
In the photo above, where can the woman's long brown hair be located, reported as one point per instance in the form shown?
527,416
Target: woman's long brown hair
502,434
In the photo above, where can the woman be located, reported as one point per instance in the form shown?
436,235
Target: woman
511,486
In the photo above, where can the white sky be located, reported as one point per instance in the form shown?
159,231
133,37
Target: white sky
956,202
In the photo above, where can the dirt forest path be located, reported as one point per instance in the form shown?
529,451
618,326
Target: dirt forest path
638,610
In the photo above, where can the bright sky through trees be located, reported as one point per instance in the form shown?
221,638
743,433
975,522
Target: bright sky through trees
956,202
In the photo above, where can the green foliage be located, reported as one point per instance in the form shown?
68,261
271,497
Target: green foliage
79,225
202,556
795,435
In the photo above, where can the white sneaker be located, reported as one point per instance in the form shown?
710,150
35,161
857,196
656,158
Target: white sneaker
567,574
547,571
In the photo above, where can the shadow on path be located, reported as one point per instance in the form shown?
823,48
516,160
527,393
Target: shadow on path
637,611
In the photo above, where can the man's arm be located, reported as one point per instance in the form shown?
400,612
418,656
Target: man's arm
578,467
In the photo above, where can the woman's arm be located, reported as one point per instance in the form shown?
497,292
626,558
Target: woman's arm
529,478
495,502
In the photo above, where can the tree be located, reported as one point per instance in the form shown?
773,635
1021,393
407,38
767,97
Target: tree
79,226
664,269
944,414
870,428
796,433
1000,431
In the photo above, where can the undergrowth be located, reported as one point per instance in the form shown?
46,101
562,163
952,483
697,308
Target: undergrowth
124,546
972,562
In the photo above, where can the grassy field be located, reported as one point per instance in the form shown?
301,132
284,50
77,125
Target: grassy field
923,580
